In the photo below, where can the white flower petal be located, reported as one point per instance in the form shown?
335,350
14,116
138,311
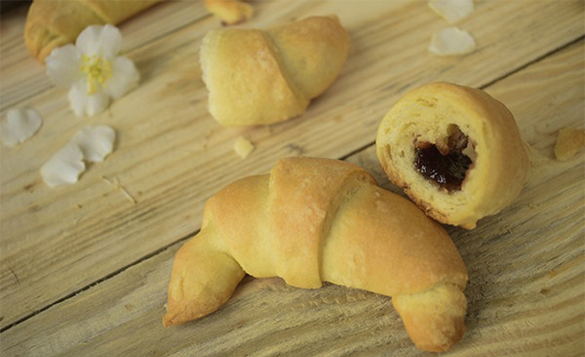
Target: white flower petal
452,10
100,41
64,167
451,41
96,142
77,98
87,104
97,103
125,77
63,65
19,125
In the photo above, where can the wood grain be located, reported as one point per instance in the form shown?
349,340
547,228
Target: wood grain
527,273
170,155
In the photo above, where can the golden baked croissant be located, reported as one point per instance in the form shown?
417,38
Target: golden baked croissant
456,152
314,220
54,23
261,77
230,11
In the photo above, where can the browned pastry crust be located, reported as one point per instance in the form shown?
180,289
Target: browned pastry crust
54,23
315,220
262,77
456,152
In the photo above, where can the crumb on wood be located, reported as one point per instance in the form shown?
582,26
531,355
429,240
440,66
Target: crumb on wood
243,147
569,142
230,12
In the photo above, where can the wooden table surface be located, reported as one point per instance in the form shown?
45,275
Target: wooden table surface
84,268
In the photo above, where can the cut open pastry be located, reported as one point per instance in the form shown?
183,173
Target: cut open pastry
456,151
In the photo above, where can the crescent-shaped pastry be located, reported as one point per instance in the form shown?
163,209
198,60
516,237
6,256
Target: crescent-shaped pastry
314,220
456,152
262,77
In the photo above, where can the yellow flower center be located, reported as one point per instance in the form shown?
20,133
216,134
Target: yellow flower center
97,70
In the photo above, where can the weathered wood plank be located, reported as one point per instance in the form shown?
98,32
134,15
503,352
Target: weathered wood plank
171,155
23,76
527,269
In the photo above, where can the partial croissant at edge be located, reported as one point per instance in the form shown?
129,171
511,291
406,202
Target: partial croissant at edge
55,23
315,220
456,151
266,76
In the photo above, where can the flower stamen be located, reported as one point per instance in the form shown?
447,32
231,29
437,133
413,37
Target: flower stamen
97,71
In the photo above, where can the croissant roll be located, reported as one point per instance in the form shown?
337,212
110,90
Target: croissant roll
262,77
456,152
54,23
314,220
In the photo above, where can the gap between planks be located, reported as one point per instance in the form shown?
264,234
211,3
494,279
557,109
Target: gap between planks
343,157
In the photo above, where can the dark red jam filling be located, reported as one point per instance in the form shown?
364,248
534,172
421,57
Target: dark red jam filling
446,169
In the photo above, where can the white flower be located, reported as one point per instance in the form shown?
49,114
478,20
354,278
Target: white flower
92,70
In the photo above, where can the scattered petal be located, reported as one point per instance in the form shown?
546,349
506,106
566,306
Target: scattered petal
64,167
83,103
92,143
104,41
569,142
95,142
451,41
19,125
125,77
452,10
63,65
243,147
77,97
96,103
